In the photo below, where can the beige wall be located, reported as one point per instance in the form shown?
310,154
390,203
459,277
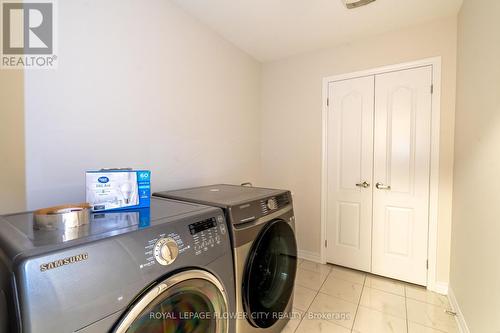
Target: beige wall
475,269
144,86
12,180
291,119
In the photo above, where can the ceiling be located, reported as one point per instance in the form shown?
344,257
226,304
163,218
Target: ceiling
273,29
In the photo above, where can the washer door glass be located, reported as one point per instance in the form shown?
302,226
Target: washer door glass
189,306
270,274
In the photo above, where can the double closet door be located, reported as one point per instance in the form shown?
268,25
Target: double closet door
378,150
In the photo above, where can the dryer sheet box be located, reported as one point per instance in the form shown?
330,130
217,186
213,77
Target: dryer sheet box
118,189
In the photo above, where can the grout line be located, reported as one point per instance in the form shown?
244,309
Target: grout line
385,291
427,303
316,295
326,278
307,310
350,271
431,328
302,286
384,312
310,270
314,298
349,281
359,302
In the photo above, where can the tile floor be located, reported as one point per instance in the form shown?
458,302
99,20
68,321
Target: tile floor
333,299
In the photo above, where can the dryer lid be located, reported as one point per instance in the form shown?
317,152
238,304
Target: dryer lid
221,195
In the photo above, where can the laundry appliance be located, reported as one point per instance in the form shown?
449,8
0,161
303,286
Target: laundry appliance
167,268
261,224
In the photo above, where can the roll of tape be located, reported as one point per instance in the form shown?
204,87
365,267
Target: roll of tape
62,217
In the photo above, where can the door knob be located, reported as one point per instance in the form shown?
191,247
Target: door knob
363,185
381,186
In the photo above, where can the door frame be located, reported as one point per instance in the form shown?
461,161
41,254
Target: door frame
435,62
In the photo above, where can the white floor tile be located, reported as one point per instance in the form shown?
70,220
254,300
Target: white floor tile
333,309
294,322
290,327
343,289
417,328
385,302
309,279
348,274
315,267
383,306
424,295
430,315
303,297
320,326
371,321
384,284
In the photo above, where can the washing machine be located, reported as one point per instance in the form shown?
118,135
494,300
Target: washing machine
261,223
163,269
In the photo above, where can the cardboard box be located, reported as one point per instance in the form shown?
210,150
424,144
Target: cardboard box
112,189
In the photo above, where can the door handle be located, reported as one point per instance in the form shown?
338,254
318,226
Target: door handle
381,186
363,185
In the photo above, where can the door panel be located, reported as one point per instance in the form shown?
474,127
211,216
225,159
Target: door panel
349,224
400,133
402,161
398,227
350,162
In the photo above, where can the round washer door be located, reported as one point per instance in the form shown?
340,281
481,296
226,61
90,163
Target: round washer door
270,274
190,302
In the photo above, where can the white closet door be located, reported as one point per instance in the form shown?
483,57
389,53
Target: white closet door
350,164
401,169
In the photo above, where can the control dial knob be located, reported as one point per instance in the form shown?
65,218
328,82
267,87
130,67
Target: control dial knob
272,204
166,251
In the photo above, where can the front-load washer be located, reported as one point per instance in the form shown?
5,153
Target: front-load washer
163,269
261,223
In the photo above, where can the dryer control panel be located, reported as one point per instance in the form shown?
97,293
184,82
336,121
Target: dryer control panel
253,210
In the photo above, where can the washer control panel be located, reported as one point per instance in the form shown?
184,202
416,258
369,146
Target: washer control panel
164,249
200,236
207,233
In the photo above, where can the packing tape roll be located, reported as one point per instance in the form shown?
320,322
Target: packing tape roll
62,217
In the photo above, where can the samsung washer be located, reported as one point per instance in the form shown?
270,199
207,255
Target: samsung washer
261,223
161,269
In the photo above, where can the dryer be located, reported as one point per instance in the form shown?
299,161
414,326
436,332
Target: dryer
261,223
166,268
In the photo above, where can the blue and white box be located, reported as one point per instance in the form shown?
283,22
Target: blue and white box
112,189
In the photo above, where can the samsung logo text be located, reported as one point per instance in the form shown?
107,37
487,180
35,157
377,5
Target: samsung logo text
64,262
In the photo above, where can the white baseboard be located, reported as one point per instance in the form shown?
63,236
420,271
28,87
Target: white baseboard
311,256
439,287
462,324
